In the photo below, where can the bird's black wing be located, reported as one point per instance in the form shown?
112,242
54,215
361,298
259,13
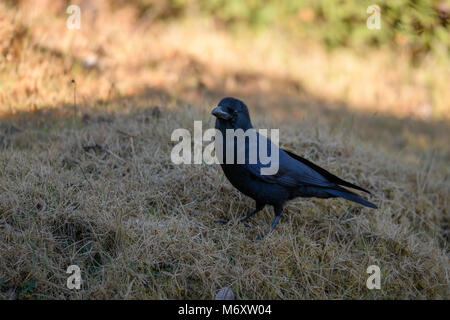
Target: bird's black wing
290,173
329,176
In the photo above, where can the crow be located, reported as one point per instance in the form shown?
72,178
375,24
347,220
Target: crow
296,176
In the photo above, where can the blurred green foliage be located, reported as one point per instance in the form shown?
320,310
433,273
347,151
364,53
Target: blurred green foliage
419,26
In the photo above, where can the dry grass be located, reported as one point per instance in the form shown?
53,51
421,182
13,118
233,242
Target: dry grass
74,189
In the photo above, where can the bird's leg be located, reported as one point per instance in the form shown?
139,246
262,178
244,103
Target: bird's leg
259,207
278,212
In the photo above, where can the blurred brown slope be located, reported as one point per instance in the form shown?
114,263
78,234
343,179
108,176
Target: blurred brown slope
115,52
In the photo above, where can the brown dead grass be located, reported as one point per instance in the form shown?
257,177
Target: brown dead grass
97,189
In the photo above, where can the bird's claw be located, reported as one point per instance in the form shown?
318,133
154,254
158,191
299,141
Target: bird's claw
243,220
262,237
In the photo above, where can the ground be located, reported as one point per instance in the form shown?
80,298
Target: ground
91,183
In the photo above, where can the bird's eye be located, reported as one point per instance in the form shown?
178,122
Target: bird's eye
235,112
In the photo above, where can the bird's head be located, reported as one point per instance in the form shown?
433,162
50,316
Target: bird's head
232,113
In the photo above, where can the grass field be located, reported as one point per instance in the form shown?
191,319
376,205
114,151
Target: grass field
92,184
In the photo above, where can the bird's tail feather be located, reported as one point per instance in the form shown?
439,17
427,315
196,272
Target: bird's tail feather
344,193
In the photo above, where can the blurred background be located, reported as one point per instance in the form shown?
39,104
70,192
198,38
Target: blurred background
195,49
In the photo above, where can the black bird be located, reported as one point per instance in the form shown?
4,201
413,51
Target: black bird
296,176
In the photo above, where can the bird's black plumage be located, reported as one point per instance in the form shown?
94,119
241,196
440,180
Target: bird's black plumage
296,176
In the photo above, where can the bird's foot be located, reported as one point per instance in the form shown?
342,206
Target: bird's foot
243,219
223,221
263,236
257,239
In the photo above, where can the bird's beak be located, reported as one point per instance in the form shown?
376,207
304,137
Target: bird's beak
220,113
